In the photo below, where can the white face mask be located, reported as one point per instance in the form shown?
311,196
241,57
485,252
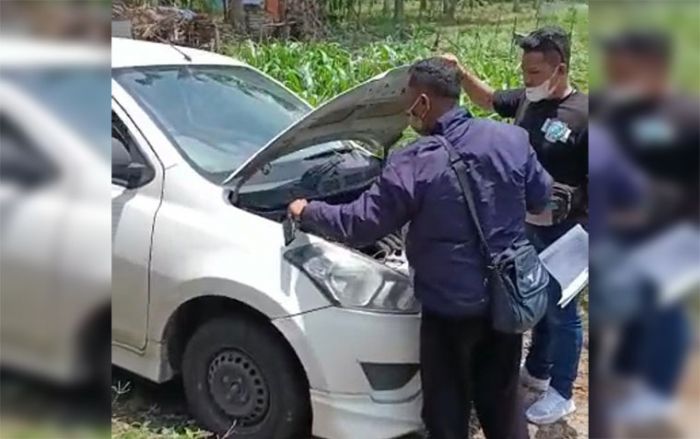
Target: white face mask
540,92
624,94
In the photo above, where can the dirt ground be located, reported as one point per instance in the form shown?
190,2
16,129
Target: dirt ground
142,410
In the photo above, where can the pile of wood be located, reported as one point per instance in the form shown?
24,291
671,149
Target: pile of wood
305,19
294,19
285,19
169,24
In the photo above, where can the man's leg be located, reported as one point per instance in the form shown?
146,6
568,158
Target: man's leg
566,340
558,337
669,338
445,406
539,356
560,356
496,365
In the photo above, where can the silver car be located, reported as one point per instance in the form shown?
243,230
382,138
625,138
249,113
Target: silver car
270,340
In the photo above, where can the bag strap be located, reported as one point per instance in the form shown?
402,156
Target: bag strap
461,169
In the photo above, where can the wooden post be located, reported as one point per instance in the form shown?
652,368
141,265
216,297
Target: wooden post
235,14
398,10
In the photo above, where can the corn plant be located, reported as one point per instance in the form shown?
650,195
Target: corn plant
320,70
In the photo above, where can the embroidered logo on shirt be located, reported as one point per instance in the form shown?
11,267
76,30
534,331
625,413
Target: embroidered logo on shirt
555,130
653,132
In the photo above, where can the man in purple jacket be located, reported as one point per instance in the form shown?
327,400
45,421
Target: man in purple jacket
463,360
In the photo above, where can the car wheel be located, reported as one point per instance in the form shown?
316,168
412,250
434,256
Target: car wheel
241,379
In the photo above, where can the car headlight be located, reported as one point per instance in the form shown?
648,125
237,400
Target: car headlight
352,280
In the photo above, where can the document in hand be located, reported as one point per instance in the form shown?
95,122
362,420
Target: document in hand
566,260
669,263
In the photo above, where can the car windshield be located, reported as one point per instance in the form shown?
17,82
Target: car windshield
218,116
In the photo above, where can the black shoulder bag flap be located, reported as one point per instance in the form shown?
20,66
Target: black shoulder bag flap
517,279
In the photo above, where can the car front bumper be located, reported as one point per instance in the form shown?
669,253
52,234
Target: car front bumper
333,344
339,416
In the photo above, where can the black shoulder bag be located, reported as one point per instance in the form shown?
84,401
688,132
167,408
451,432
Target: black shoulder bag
517,279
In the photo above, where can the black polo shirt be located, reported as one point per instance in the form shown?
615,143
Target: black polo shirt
660,135
558,131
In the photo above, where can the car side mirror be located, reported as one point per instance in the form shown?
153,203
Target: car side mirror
125,171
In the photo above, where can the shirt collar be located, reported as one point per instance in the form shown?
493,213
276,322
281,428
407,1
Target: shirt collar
457,113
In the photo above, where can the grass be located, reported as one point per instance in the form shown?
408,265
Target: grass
320,70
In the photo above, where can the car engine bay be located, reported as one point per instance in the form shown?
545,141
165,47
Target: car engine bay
337,180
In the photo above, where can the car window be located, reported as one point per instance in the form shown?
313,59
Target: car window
21,161
218,116
121,132
74,95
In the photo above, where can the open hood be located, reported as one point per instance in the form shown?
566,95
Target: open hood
372,112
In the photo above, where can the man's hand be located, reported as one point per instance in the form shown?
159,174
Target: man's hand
454,61
296,207
479,92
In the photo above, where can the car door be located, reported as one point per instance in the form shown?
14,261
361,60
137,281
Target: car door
134,206
32,209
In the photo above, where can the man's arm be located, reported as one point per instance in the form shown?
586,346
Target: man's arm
538,184
478,91
384,208
503,102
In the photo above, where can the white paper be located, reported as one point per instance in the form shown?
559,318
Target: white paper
669,262
566,259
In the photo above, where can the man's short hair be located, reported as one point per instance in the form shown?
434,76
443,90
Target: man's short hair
550,40
437,75
640,43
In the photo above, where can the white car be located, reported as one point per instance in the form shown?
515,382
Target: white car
54,209
271,340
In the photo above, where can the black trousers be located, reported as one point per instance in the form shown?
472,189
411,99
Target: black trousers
464,361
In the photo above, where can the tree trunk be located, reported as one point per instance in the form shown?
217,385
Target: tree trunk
423,6
516,5
398,10
387,7
235,14
349,7
452,9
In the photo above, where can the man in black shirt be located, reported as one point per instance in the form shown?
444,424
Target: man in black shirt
556,117
653,132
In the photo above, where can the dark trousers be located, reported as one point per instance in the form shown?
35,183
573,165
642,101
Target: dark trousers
463,361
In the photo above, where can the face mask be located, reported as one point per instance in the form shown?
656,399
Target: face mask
624,94
540,92
415,121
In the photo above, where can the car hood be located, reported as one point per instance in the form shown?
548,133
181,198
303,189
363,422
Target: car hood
372,112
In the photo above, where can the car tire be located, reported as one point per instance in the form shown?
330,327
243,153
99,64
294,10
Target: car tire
241,380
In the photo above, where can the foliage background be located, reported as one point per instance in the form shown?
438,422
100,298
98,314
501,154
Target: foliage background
481,37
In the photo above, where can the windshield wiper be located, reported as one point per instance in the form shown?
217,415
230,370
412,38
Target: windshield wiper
335,151
313,176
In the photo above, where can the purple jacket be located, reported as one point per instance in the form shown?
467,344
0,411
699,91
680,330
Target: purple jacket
418,186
